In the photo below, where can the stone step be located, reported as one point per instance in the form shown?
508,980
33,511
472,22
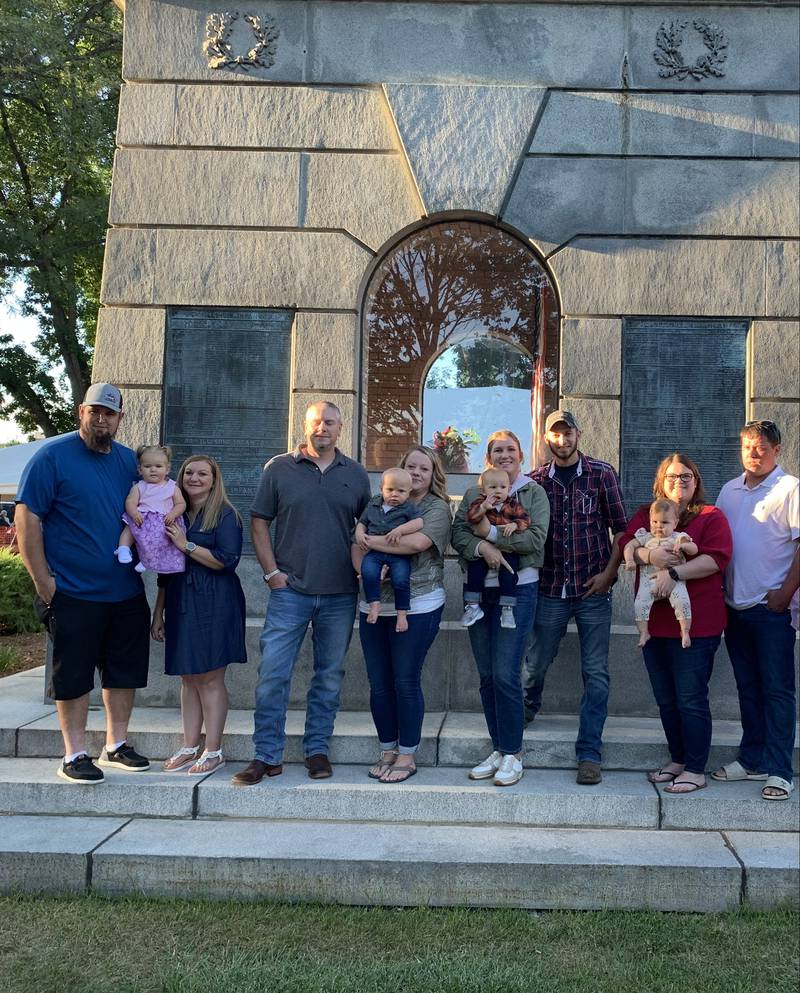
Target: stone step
399,864
452,739
543,798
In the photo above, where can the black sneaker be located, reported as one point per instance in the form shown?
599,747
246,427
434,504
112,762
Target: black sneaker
81,771
125,758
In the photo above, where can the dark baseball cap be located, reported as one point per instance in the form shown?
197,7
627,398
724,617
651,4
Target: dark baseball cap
559,416
104,395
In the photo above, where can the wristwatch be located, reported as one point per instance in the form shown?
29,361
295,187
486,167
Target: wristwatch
269,575
190,547
673,574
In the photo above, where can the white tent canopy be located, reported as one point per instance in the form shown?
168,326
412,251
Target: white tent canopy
12,461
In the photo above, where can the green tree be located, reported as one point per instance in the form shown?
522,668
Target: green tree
60,66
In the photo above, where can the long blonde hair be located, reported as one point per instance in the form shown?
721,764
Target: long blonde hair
217,499
438,476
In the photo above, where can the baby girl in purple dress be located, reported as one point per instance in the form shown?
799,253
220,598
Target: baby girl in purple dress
152,504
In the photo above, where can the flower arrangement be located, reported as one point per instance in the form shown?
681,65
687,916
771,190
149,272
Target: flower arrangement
453,447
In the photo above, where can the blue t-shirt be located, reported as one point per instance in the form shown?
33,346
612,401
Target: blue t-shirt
79,495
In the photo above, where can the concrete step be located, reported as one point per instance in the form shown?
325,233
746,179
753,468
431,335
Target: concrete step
399,864
29,728
452,739
544,798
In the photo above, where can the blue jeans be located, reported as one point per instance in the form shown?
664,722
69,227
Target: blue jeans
399,574
761,647
394,667
476,578
679,677
288,615
593,619
498,655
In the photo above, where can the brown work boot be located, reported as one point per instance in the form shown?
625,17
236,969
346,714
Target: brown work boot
589,774
255,772
318,766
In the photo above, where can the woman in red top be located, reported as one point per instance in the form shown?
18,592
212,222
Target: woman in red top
679,676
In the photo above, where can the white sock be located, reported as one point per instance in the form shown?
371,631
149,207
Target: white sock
75,755
114,747
139,567
123,554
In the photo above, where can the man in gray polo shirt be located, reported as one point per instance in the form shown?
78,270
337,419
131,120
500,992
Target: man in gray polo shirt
314,495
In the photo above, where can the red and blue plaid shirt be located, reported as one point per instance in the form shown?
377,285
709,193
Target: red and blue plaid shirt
583,517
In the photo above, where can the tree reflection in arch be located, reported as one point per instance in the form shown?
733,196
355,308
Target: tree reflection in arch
461,330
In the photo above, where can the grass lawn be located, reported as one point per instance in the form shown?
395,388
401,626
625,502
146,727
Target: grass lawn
92,945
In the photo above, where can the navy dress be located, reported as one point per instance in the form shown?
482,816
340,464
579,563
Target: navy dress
204,608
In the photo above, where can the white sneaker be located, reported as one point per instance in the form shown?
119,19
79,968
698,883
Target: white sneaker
123,554
487,768
507,617
509,771
472,613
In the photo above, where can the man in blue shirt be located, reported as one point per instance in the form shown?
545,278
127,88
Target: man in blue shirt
68,516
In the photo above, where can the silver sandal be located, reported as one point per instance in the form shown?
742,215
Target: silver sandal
183,757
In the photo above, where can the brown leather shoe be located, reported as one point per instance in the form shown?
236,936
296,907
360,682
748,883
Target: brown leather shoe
589,774
318,767
255,772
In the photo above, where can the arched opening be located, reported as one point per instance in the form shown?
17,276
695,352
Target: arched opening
461,333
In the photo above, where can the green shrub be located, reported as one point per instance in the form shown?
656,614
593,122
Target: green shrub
9,657
16,596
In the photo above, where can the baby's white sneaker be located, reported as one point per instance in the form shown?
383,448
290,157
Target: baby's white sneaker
507,617
472,613
123,554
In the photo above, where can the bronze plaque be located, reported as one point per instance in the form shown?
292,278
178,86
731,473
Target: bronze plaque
226,391
683,389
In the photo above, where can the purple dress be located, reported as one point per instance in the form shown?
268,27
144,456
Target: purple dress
156,550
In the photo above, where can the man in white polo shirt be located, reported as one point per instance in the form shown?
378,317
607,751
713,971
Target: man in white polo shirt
763,510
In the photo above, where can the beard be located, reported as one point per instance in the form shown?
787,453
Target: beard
562,451
97,443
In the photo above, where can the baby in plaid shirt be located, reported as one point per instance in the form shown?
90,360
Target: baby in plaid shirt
508,516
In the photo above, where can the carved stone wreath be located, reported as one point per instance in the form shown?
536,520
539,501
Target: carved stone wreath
668,54
218,49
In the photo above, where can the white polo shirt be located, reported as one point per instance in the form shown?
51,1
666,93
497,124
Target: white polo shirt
765,522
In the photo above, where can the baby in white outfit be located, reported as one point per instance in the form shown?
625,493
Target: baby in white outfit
663,521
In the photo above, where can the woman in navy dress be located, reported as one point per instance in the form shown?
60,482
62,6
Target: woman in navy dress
201,612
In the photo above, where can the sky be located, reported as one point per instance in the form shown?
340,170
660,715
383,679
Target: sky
23,330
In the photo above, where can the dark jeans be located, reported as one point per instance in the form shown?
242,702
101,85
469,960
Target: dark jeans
476,577
679,677
761,647
593,619
394,667
399,574
498,655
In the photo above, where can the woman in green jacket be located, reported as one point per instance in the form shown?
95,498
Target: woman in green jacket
499,650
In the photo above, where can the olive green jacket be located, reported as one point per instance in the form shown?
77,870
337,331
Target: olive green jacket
528,544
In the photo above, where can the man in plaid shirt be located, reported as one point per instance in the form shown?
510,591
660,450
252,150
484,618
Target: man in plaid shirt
580,566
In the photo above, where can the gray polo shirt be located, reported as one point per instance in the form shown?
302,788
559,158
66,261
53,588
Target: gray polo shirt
315,514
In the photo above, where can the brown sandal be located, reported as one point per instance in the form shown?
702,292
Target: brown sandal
382,765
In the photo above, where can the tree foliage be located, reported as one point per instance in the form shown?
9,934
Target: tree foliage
450,285
60,65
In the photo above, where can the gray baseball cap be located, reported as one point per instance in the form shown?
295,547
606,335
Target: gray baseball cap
559,416
104,395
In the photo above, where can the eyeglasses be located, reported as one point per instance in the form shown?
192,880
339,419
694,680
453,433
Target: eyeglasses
684,477
768,429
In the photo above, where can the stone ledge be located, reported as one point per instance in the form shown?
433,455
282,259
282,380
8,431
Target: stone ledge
389,864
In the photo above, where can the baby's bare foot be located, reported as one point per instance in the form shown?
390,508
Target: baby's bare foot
374,613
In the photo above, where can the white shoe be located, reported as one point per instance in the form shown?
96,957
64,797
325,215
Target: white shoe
509,771
123,554
507,617
139,567
487,768
472,613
